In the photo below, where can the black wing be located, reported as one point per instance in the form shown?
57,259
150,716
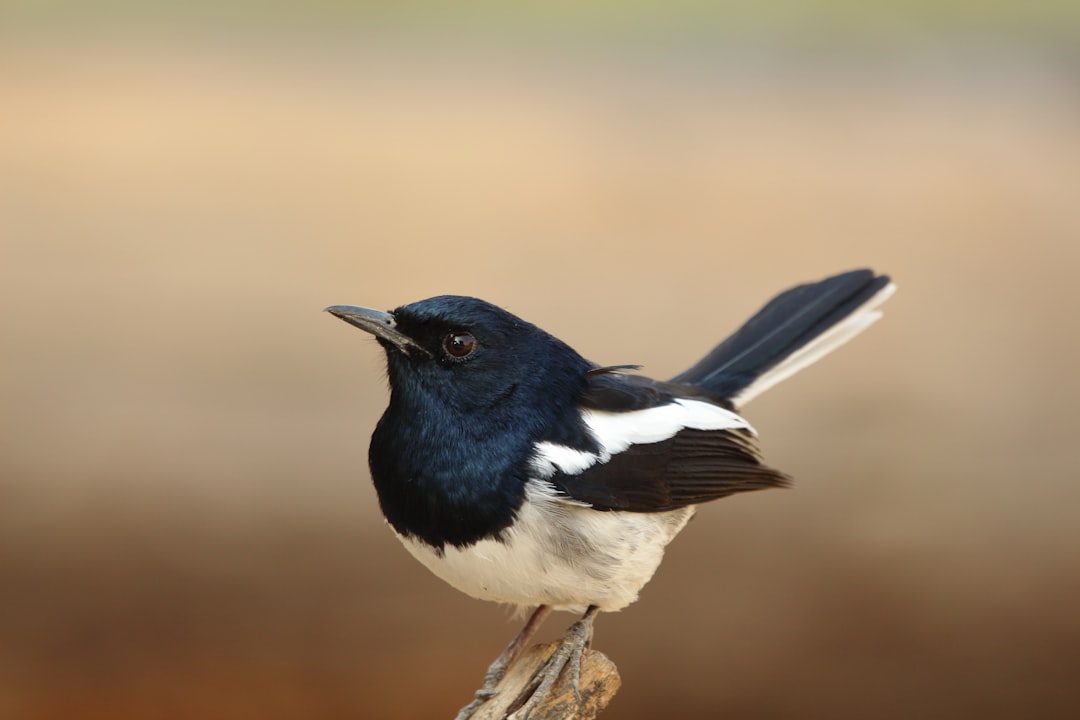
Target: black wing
692,467
688,468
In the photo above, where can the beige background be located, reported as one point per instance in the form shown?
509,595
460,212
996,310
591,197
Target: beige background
187,528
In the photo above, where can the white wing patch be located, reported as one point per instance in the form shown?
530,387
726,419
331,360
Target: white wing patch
616,431
551,457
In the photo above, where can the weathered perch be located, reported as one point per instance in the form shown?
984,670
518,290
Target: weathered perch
598,684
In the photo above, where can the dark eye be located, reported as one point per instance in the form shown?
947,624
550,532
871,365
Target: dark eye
459,344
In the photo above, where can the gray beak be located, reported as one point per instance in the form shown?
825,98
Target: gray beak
378,323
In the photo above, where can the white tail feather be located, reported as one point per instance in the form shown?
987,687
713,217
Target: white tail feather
865,316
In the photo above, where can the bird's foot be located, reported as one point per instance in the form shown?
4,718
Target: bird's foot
497,670
492,678
569,652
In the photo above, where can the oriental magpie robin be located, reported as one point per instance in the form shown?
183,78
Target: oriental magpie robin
520,472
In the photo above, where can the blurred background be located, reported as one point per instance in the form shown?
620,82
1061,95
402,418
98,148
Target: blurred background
187,527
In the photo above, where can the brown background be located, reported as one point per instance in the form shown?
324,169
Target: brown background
187,529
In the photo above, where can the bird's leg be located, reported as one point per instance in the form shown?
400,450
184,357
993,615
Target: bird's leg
497,669
570,649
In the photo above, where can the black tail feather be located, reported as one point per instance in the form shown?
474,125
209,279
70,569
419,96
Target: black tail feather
787,323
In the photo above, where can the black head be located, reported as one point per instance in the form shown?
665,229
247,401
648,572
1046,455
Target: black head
465,353
472,388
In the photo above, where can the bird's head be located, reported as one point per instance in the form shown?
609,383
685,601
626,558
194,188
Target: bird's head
467,354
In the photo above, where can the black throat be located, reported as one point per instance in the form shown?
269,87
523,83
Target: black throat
444,479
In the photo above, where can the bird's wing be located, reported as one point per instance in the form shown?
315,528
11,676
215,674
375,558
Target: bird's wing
654,449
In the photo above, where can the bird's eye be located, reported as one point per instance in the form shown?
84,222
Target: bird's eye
459,344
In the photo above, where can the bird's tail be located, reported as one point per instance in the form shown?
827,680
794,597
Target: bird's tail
795,329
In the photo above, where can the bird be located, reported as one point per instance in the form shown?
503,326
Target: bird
520,472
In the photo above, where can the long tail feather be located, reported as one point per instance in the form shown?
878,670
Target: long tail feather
794,330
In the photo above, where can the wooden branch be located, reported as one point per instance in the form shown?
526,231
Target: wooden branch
599,682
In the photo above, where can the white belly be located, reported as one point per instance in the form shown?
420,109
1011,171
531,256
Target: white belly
560,554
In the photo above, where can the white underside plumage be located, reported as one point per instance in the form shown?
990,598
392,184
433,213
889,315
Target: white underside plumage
561,554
